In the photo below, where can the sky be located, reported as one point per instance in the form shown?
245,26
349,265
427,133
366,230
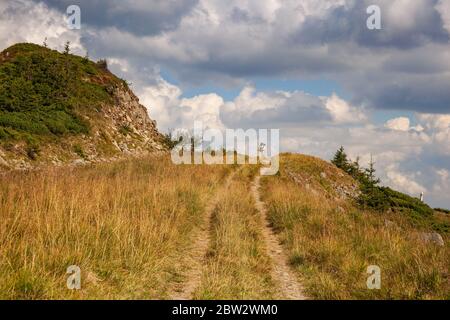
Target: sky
310,68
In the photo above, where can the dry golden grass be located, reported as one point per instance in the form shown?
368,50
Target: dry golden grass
237,266
331,248
124,224
128,225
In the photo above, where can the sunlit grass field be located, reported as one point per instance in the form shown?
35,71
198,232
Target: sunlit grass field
125,224
131,227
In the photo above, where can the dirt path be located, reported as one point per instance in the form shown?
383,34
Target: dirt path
196,259
282,274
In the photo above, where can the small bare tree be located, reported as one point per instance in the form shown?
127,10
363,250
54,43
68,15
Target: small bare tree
67,47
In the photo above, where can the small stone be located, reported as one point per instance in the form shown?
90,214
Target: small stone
389,223
78,162
432,237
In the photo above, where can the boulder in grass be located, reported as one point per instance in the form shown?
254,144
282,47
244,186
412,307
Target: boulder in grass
432,237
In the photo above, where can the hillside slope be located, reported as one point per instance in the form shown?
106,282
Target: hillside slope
331,240
57,108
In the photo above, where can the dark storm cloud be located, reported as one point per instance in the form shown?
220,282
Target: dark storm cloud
268,62
420,96
404,66
348,24
427,93
141,17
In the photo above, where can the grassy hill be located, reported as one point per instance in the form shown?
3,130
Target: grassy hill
51,98
132,227
331,239
41,91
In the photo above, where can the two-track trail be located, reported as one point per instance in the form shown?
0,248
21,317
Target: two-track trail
197,275
184,291
282,274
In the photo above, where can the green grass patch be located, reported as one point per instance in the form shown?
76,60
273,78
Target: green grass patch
43,93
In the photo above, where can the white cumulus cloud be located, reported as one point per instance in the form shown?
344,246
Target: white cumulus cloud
400,124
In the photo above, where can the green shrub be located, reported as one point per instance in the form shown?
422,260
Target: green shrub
169,141
446,211
79,151
103,64
32,151
3,133
125,130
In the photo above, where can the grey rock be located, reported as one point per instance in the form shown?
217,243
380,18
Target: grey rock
432,237
78,162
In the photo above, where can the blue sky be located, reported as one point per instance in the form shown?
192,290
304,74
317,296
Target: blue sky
319,87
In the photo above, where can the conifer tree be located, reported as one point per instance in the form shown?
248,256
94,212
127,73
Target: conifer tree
370,172
340,159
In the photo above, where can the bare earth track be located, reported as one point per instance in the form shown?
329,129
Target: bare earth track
184,291
282,274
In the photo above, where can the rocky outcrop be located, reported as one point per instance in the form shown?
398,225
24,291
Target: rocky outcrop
119,129
130,127
338,190
75,112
